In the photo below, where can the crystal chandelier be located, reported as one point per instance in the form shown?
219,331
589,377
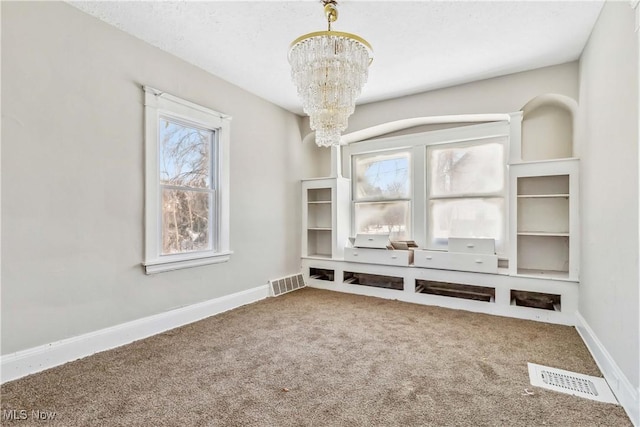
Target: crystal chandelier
329,68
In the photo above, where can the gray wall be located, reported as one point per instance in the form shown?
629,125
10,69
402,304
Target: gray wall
608,125
497,95
72,178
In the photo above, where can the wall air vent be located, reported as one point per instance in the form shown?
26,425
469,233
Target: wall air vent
286,284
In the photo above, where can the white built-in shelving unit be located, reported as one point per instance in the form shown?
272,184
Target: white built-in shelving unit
539,280
544,219
325,230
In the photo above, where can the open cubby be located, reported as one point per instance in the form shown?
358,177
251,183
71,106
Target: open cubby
540,215
375,280
543,255
536,300
550,185
321,274
319,243
456,290
315,195
319,215
547,132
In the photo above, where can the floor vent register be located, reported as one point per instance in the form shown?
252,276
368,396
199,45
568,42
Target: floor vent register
586,386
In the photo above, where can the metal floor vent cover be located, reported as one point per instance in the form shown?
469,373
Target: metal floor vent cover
286,284
580,385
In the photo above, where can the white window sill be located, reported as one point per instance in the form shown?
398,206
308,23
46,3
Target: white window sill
160,266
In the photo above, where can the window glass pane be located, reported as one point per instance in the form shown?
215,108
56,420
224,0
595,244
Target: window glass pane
185,221
384,217
477,217
382,176
466,170
184,155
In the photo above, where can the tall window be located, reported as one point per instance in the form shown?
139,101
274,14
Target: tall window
186,185
382,194
466,191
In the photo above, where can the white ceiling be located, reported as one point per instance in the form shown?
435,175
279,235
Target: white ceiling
418,45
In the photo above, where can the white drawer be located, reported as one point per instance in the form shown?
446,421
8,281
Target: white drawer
472,245
378,256
480,263
378,241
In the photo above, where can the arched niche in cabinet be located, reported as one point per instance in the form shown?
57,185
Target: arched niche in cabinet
548,128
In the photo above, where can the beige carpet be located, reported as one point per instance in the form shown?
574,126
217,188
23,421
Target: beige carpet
320,358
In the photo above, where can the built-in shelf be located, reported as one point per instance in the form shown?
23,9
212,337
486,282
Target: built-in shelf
322,227
543,253
538,300
543,214
319,195
544,185
456,290
319,242
374,280
542,196
317,256
549,274
319,215
321,274
542,233
544,219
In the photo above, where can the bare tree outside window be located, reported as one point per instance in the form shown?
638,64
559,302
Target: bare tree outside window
382,194
466,170
383,176
186,203
186,185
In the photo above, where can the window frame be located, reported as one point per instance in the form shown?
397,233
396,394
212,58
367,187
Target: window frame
161,105
418,143
355,200
502,194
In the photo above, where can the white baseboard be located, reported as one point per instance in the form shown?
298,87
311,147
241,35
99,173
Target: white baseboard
624,391
36,359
